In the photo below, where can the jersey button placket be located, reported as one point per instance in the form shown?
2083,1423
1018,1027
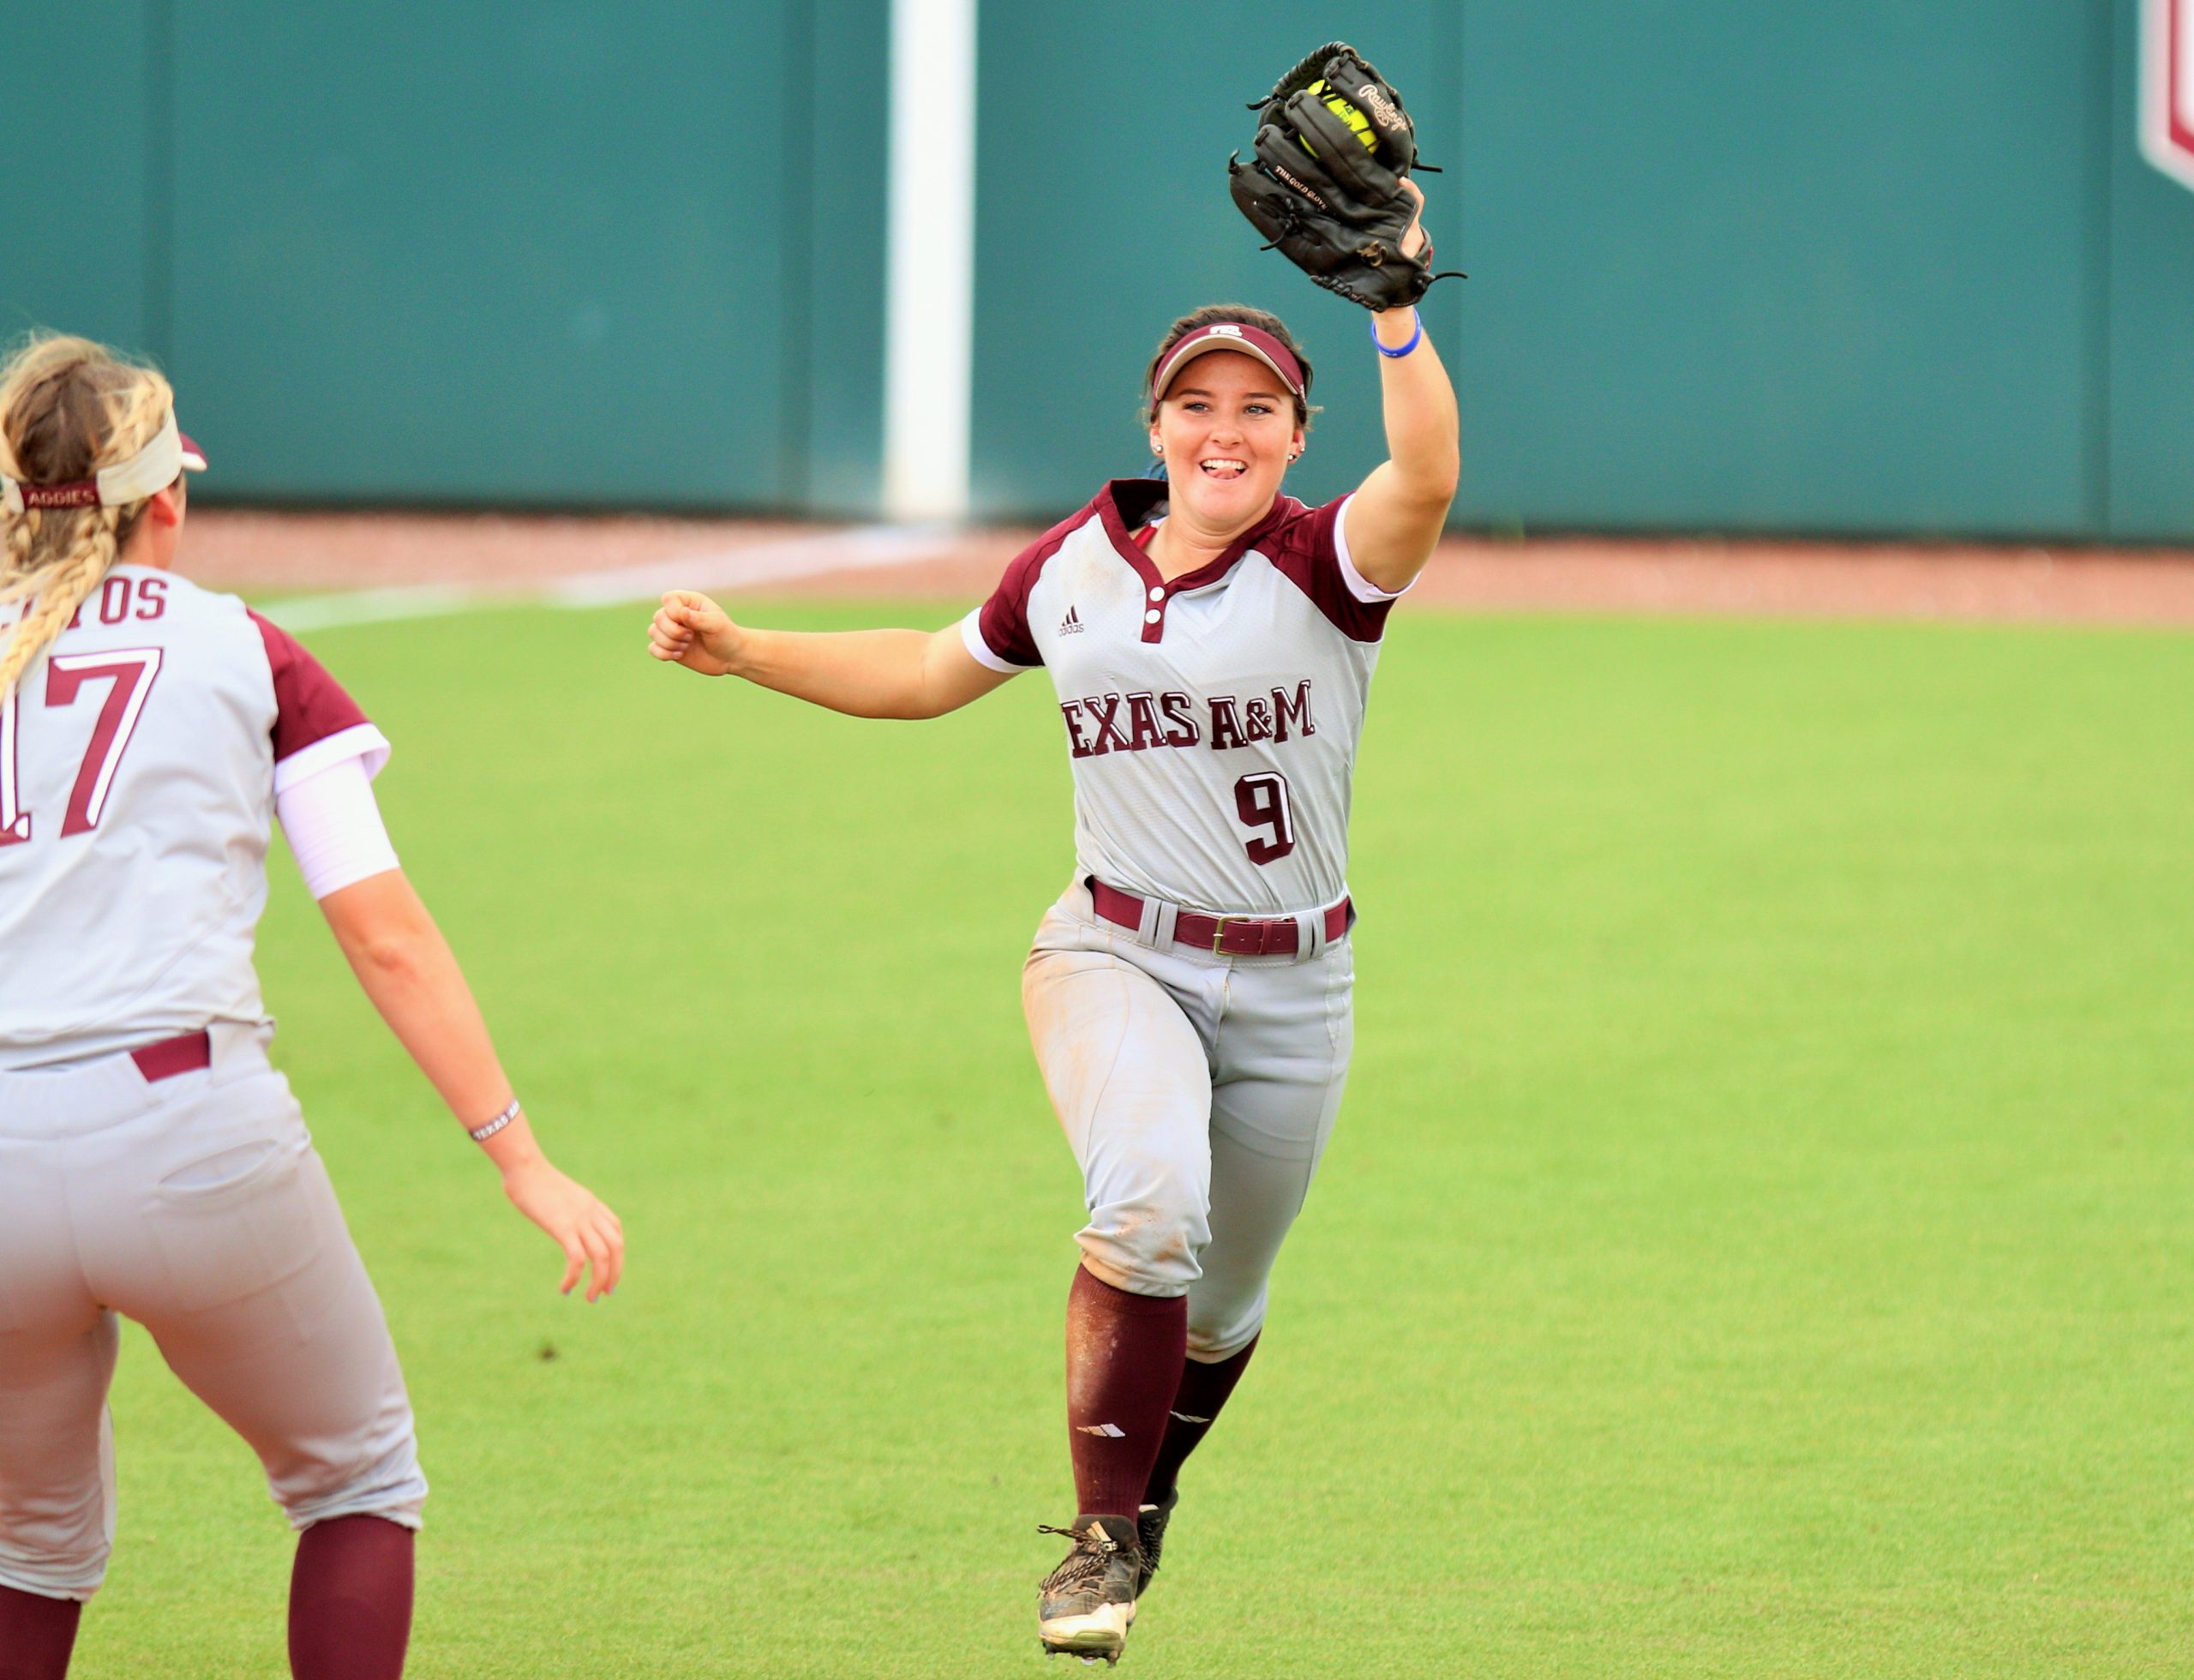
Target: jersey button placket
1154,619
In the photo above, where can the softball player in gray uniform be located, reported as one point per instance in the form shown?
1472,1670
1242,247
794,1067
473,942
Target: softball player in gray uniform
151,1162
1212,642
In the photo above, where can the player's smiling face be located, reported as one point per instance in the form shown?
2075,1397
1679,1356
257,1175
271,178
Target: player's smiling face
1226,427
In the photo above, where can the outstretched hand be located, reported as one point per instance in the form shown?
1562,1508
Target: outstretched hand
691,630
575,1219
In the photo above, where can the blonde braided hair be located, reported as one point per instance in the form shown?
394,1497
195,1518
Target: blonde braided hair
68,408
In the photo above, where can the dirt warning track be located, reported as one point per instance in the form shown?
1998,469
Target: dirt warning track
595,560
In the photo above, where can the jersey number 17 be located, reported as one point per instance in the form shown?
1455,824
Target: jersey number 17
131,671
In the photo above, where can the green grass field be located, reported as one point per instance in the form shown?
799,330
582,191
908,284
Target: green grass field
1756,1241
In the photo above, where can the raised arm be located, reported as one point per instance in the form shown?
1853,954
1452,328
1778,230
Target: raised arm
1397,515
861,673
411,977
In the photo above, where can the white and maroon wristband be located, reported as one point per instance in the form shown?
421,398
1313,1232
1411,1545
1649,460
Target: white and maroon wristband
151,470
1235,335
481,1134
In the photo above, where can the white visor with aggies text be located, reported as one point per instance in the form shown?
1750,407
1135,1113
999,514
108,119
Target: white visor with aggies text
151,470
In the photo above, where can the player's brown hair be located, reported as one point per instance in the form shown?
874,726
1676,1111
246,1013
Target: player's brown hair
68,408
1212,314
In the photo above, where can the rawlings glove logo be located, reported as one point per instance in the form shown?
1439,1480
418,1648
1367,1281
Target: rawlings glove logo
1371,98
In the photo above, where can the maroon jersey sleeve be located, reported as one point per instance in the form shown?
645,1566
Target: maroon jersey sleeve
1308,548
1004,621
309,705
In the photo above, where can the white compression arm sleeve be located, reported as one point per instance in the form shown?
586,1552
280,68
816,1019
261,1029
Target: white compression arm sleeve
334,827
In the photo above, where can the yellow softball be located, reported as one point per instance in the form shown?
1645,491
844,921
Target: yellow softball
1358,123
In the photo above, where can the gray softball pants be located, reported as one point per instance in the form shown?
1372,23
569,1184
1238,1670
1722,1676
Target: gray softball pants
1197,1092
197,1206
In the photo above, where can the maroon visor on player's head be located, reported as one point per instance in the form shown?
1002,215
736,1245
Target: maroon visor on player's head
152,469
1235,335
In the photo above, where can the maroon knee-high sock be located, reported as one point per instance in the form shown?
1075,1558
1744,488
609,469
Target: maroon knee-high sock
1203,1391
351,1600
1123,1355
37,1634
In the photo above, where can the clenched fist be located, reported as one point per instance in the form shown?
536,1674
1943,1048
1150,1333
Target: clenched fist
692,631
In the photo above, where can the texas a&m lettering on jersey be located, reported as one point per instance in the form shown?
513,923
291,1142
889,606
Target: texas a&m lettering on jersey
1138,723
1211,720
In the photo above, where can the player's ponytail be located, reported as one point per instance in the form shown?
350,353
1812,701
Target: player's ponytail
68,408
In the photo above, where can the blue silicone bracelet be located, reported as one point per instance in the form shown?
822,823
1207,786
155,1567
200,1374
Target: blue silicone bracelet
1415,338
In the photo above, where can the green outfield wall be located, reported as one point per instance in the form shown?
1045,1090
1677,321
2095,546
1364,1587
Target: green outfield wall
1887,267
543,252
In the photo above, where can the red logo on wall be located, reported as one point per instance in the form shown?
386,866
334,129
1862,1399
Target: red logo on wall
2167,87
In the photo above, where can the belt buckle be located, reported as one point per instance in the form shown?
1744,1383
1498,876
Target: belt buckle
1259,946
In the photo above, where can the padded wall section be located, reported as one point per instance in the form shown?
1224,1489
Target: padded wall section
528,251
1813,267
79,245
1830,269
842,279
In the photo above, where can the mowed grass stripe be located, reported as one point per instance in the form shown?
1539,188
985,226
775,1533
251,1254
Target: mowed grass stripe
1755,1243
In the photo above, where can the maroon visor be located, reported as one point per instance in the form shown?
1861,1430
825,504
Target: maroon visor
1235,335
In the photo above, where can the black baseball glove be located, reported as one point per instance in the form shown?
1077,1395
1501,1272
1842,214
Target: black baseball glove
1324,180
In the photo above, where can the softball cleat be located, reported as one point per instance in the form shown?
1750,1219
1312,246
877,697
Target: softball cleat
1086,1605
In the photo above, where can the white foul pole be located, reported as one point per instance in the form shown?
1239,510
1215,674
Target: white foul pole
929,269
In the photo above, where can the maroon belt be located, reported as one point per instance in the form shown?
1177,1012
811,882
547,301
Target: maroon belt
171,1056
1225,935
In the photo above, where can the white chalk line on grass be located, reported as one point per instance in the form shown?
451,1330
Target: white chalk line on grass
757,563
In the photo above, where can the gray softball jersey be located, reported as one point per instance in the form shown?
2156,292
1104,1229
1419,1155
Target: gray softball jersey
139,761
1213,721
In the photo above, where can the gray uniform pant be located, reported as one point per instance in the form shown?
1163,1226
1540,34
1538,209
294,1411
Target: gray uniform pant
197,1206
1197,1092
